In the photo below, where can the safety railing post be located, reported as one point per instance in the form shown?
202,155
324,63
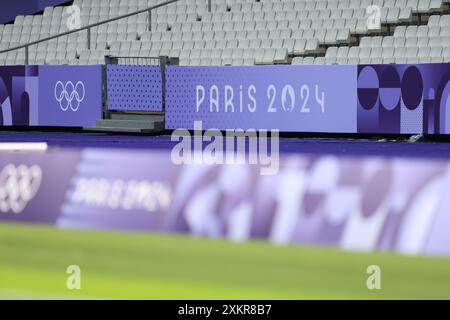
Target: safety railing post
150,20
26,56
105,88
89,38
163,63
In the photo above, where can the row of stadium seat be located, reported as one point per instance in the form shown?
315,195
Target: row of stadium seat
355,55
282,29
187,57
342,55
408,44
251,5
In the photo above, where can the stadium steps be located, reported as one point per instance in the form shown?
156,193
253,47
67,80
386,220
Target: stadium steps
132,124
387,29
154,116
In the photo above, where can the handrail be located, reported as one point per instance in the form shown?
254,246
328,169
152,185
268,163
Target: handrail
89,27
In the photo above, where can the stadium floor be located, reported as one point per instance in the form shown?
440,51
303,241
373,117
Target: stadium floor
340,147
117,265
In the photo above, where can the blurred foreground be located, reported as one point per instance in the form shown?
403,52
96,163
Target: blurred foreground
33,263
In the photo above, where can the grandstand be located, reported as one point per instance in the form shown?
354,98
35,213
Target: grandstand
237,32
408,44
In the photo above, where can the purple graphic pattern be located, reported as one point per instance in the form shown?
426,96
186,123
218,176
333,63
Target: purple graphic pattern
353,203
406,99
381,99
288,98
68,96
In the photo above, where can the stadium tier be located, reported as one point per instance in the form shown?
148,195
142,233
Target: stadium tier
409,44
235,32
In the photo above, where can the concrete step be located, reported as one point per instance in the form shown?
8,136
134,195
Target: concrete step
118,130
130,123
137,117
143,124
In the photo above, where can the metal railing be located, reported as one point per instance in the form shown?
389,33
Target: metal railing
162,61
89,27
146,61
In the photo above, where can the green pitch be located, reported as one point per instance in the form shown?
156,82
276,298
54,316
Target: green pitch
33,263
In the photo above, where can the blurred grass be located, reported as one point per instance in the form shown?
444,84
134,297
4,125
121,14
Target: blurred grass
33,263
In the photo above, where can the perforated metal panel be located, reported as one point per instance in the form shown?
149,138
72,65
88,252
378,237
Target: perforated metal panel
134,88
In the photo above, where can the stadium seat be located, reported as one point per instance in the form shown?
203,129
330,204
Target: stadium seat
279,31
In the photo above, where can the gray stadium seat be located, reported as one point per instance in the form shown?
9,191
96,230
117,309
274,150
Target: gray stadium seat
280,31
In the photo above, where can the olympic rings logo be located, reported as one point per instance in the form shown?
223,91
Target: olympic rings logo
69,95
18,185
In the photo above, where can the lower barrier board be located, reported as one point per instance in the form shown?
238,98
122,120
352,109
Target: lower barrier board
378,99
62,96
392,204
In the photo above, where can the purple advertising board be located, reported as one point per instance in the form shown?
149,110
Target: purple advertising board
287,98
135,197
404,98
366,204
69,96
18,94
33,186
380,99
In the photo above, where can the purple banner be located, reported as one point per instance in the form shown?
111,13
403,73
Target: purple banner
68,96
404,98
102,196
18,95
287,98
33,186
380,99
352,203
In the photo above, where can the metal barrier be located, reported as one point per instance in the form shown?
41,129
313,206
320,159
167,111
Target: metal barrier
161,61
137,61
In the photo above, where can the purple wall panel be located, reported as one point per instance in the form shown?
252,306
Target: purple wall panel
288,98
405,99
50,95
134,88
16,94
44,180
381,99
70,96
